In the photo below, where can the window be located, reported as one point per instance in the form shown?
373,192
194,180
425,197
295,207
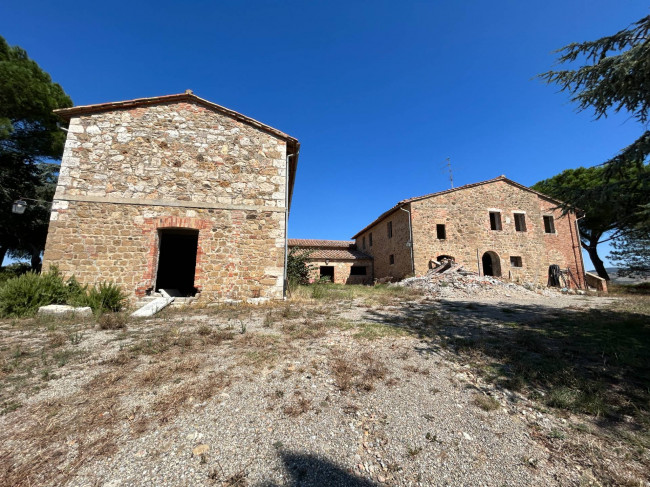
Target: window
441,233
390,229
358,270
370,239
364,243
515,261
520,222
495,220
391,259
549,224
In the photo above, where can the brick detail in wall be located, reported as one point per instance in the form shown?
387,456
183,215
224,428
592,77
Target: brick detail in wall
231,174
150,229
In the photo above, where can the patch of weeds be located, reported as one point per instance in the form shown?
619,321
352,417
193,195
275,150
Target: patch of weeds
9,407
268,319
57,340
416,370
432,438
350,408
374,331
63,356
300,406
486,403
289,312
278,444
413,451
557,434
204,330
76,337
577,400
112,321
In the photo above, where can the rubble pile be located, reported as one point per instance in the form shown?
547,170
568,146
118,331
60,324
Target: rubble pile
448,279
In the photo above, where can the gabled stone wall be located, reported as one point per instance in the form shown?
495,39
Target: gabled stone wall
384,246
128,173
465,214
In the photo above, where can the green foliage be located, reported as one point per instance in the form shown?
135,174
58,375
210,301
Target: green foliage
29,139
23,295
298,267
14,270
106,296
610,204
632,253
614,77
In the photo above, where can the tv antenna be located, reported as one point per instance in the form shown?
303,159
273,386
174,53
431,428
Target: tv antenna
451,174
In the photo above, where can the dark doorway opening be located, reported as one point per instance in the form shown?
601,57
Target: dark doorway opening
327,272
491,264
177,260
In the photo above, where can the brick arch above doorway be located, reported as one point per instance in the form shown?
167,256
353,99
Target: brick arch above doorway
151,226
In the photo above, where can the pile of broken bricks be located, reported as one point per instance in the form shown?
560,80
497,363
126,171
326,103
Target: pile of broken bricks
450,279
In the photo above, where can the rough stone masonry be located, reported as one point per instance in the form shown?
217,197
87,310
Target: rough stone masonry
133,170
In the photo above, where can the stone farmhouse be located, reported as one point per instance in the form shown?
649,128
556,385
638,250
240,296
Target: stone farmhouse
337,260
496,227
173,192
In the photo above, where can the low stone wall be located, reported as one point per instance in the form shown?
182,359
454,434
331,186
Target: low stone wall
596,282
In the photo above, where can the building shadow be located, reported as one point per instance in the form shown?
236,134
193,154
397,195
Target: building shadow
314,471
592,361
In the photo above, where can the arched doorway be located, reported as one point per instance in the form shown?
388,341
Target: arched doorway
491,264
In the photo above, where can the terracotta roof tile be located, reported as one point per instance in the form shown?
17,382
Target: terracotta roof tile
307,242
339,254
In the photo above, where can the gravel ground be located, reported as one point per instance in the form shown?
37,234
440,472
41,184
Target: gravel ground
306,395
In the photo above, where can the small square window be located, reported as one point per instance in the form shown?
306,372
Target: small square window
520,222
358,270
515,261
390,229
441,232
549,224
495,220
391,259
370,239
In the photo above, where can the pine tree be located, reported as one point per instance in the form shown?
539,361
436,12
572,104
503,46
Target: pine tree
615,76
29,140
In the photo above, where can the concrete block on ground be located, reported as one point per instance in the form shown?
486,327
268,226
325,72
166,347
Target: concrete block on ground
64,309
152,308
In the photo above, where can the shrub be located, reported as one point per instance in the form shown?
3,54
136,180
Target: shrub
297,267
13,270
106,296
23,295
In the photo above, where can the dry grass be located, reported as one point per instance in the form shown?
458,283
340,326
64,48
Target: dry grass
360,372
112,321
486,403
300,406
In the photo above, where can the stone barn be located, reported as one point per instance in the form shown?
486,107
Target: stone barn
497,227
173,192
337,260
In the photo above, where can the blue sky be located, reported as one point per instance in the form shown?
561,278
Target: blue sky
378,93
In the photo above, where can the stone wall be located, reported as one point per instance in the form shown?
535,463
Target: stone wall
342,270
383,246
127,173
465,214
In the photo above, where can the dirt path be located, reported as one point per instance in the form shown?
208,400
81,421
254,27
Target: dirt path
335,393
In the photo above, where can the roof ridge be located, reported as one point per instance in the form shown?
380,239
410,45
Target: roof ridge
67,113
401,203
